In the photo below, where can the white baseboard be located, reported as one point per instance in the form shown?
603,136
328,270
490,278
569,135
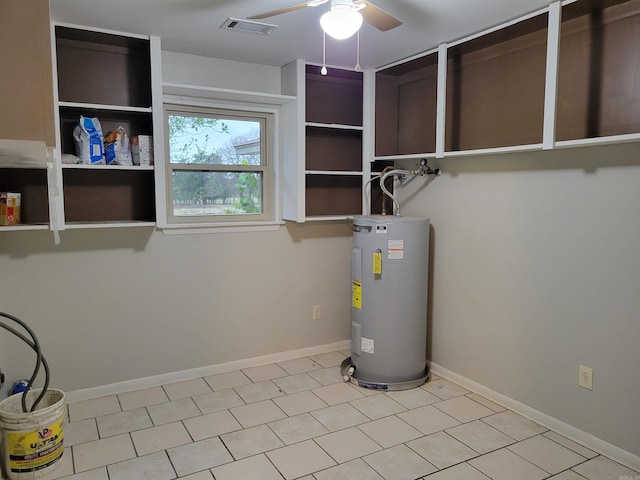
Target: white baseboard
604,448
137,384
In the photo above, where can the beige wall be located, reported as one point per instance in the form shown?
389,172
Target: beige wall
536,271
219,73
110,305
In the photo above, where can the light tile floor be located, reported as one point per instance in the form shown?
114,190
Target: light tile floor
298,420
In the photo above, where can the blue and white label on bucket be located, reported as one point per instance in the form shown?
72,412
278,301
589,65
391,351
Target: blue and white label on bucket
395,249
366,345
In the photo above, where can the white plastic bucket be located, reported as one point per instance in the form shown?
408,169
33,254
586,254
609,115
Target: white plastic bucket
32,441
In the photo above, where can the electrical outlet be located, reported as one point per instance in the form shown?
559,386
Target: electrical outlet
585,377
317,312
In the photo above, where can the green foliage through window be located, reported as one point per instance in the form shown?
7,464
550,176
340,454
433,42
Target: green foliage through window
216,163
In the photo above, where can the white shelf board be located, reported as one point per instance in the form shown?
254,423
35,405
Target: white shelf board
328,218
409,156
24,227
82,166
101,30
491,151
100,106
123,224
333,172
585,142
215,93
334,126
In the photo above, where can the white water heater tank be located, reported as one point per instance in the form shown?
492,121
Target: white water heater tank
389,268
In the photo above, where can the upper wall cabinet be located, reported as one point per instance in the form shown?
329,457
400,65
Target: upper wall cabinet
562,76
26,89
26,108
496,87
405,113
323,170
599,70
102,68
106,76
333,142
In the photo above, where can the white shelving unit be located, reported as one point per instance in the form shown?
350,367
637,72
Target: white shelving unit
324,171
109,75
552,28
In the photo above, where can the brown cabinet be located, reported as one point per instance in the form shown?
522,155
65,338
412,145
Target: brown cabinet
599,70
106,76
496,86
334,98
405,113
323,179
26,104
333,142
511,88
26,88
31,183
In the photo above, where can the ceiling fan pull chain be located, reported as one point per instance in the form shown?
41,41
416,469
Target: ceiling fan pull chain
323,71
358,68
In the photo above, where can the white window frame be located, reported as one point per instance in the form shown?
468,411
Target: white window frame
271,217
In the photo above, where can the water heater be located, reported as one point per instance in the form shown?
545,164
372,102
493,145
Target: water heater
389,267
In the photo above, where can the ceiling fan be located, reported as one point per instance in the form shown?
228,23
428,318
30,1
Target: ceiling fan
347,13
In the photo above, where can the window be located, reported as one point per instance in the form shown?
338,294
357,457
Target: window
219,166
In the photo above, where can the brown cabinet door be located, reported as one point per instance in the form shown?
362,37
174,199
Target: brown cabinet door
26,86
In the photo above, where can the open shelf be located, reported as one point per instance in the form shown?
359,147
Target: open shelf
102,68
108,196
405,118
134,123
335,98
105,76
330,195
333,149
599,61
31,184
333,143
496,87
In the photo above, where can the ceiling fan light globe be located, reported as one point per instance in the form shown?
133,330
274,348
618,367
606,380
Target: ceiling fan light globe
341,22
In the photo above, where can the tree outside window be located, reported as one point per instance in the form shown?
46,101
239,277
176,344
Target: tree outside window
218,164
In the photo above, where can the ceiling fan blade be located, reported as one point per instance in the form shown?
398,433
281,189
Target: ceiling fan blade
377,17
292,8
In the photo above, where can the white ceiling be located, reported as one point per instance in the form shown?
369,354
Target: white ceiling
192,26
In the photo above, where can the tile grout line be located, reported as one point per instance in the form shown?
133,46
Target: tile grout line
271,400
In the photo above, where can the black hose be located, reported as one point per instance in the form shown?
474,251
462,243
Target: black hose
35,345
38,355
44,364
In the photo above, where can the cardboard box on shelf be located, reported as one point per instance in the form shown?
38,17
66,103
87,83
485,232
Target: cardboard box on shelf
9,208
142,150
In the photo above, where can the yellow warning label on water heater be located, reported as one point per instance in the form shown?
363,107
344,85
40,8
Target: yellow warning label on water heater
32,451
356,294
377,263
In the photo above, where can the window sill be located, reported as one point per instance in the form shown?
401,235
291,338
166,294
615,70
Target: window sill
221,227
